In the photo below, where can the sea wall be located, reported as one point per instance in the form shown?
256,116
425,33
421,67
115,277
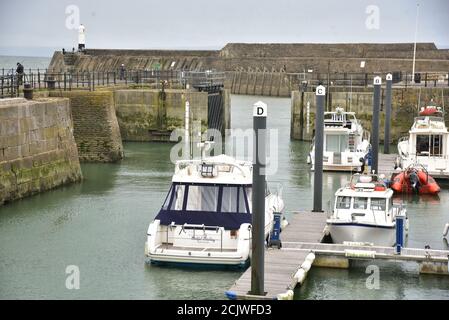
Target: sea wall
37,148
405,104
292,58
96,128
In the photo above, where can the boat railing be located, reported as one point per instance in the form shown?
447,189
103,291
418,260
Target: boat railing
181,164
366,135
397,209
198,233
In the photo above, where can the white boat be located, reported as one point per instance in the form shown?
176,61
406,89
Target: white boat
427,143
206,216
364,213
346,143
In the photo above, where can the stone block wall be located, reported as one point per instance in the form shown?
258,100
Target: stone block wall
96,129
151,115
37,148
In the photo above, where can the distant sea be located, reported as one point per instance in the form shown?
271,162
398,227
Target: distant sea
9,62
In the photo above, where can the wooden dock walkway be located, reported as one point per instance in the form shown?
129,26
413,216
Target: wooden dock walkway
282,265
287,267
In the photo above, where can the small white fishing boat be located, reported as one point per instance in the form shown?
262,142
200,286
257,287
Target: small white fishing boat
427,143
206,216
346,143
364,213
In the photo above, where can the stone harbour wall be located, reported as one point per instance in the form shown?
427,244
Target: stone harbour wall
151,115
96,129
37,148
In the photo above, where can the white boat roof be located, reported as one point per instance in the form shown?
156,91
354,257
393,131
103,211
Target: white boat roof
221,169
430,124
366,192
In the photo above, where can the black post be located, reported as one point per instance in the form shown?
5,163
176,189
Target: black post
375,125
258,199
319,137
388,94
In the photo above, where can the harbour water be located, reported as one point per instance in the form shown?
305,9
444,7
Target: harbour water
100,226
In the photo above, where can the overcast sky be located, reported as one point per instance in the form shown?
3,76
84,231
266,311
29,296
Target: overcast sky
209,24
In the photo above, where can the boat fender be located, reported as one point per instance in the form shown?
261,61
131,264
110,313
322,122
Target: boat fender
284,223
446,230
306,265
231,295
285,296
300,275
310,257
146,248
360,254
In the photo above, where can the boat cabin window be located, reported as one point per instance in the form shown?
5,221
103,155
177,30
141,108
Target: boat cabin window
209,198
360,203
202,198
429,145
336,142
378,204
233,199
343,202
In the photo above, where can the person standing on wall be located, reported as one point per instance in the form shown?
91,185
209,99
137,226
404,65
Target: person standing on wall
19,71
81,38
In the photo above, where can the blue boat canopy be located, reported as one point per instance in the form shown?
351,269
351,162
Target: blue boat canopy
220,205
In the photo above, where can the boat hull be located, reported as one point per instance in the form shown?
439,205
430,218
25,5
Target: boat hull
192,258
356,232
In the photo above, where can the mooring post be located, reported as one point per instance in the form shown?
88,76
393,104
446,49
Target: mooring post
319,137
399,233
258,199
388,94
375,125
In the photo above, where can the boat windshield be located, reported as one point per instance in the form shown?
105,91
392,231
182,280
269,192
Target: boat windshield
362,203
208,198
336,142
429,145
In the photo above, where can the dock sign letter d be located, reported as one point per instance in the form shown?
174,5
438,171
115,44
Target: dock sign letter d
260,109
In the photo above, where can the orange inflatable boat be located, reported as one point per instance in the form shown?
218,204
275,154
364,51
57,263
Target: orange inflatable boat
414,180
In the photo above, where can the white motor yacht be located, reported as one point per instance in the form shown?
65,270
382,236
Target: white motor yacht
427,143
206,216
364,213
346,143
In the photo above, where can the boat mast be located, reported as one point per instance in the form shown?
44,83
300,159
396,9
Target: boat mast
187,131
414,46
